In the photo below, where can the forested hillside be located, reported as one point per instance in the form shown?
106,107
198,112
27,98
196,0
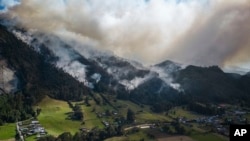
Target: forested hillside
37,78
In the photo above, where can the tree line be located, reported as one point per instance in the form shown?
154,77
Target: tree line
14,108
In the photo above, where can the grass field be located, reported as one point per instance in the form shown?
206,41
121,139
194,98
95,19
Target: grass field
143,116
179,112
7,131
195,135
90,117
132,137
207,137
138,136
146,116
117,139
199,134
176,138
31,138
54,117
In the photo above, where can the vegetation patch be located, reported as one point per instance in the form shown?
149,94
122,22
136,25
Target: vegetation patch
206,137
31,138
7,131
54,117
180,112
146,116
90,118
117,139
140,136
175,138
142,112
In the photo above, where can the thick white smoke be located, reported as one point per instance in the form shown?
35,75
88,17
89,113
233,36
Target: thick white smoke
200,32
8,79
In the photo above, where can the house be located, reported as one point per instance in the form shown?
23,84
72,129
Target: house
105,123
39,130
84,129
43,133
20,123
114,113
34,122
239,112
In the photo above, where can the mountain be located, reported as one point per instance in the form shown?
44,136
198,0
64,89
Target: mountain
159,86
212,85
9,82
248,74
49,65
37,77
244,82
169,66
100,71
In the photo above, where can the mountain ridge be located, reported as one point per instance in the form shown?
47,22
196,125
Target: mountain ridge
164,82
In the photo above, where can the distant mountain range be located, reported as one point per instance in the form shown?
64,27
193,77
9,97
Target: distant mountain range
39,63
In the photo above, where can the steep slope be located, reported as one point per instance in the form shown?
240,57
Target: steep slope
8,80
169,66
159,86
37,76
163,83
211,85
248,74
244,82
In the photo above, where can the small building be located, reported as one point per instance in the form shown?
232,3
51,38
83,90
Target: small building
20,123
239,112
105,123
114,113
34,122
84,129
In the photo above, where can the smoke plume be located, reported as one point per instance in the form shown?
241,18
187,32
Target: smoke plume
199,32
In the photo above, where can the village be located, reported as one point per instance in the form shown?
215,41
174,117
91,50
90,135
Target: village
29,128
144,120
219,123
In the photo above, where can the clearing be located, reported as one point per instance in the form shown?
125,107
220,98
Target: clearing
7,132
54,117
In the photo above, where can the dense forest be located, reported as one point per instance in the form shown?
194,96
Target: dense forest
15,108
37,78
93,135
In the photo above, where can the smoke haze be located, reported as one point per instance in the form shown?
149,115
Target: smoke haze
199,32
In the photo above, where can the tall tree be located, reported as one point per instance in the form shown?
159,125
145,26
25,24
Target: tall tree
130,116
65,137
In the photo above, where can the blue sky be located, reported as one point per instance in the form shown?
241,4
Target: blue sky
1,7
7,3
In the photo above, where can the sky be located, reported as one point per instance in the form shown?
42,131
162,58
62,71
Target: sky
5,4
197,32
